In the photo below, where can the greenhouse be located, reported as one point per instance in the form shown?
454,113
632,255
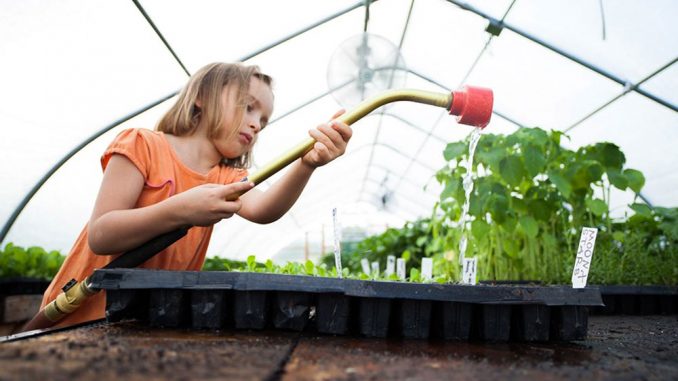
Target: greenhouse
495,199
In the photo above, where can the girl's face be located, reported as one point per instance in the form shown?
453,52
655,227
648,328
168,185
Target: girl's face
258,110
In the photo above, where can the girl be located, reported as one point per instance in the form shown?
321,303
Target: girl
181,173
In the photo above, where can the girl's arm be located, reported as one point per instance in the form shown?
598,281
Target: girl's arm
266,207
116,225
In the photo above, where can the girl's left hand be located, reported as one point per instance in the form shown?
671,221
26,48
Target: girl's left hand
331,140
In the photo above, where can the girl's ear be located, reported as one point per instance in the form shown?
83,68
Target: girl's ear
198,103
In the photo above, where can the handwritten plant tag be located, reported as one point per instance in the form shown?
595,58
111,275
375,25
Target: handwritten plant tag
468,271
337,242
582,264
426,269
390,265
365,264
400,269
375,269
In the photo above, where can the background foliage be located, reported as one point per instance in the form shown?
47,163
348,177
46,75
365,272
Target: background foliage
34,262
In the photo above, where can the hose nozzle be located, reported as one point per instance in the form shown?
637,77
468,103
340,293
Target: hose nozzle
472,105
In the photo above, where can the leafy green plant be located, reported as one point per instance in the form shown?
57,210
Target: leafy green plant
223,264
307,268
642,250
531,199
33,262
413,241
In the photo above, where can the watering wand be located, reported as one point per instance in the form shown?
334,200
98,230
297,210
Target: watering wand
472,106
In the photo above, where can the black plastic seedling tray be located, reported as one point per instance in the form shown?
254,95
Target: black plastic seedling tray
638,300
215,300
19,299
22,286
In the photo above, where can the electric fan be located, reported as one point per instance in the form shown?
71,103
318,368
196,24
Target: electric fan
362,66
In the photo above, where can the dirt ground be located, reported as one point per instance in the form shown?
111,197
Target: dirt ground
617,348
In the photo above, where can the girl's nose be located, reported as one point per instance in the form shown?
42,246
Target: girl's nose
255,125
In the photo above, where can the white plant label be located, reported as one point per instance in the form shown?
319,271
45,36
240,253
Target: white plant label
365,264
582,264
337,242
375,268
400,269
426,269
468,271
390,265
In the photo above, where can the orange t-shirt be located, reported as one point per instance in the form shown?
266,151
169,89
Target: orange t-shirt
164,176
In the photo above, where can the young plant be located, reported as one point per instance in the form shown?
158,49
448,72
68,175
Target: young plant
34,262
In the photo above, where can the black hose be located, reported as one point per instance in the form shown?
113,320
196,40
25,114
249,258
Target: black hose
136,257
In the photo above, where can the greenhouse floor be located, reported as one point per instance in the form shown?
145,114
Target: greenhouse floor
617,348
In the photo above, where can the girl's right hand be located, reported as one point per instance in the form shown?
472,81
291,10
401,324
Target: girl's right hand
207,204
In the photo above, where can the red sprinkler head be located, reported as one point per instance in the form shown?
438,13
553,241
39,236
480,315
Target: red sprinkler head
472,105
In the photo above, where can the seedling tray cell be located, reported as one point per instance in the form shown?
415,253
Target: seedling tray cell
250,309
610,305
375,314
126,304
414,318
333,312
628,304
167,308
668,304
569,323
208,309
292,310
531,322
495,324
213,300
452,320
648,305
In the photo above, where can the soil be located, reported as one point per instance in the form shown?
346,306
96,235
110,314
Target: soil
131,352
617,348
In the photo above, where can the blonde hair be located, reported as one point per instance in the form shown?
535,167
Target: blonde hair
206,87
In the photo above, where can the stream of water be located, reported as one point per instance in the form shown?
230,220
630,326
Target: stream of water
467,182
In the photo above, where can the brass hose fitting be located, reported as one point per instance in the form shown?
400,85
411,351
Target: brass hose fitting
69,300
74,294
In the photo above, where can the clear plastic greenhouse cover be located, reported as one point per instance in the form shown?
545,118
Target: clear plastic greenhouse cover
598,70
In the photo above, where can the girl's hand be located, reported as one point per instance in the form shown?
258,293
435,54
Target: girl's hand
206,204
331,140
